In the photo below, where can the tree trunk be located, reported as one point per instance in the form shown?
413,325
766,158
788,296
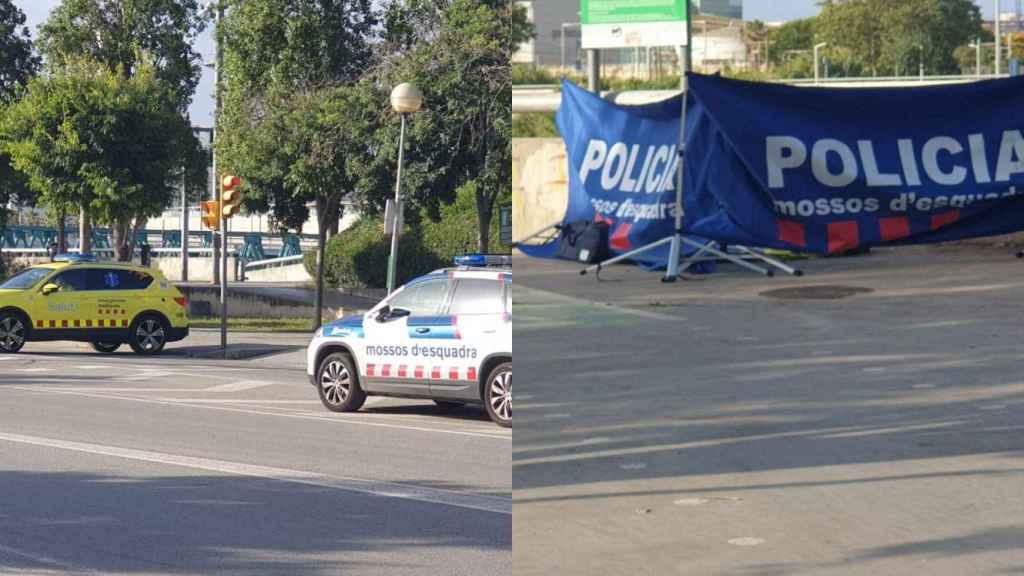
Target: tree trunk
62,232
118,237
484,214
321,244
84,231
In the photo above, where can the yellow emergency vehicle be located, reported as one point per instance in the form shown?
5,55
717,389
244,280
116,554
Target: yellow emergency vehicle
104,304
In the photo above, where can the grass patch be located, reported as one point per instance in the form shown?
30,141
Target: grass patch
257,324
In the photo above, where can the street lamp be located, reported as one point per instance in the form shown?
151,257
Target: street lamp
817,47
405,99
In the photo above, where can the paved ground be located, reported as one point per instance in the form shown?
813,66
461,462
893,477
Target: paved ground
177,465
704,428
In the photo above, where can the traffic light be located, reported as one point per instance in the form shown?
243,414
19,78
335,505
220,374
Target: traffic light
231,195
211,215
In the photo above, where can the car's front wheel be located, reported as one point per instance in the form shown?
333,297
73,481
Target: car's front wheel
13,332
498,394
148,335
338,384
105,347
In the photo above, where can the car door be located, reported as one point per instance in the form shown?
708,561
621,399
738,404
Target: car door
476,313
65,312
117,293
392,363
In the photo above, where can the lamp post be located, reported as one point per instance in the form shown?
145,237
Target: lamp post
817,47
405,99
977,56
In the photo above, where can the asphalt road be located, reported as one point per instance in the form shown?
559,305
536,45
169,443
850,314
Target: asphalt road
176,465
706,427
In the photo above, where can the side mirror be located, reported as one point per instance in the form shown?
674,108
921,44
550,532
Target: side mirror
50,288
383,314
399,313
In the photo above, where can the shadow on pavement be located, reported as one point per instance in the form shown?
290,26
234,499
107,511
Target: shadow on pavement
191,524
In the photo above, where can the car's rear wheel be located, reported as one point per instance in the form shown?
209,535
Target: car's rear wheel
13,332
498,394
338,384
148,335
105,347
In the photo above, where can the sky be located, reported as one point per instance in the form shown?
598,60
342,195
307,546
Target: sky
201,111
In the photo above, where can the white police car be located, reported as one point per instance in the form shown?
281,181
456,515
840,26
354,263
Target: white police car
446,336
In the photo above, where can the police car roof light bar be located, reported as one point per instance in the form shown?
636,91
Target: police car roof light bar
484,261
74,258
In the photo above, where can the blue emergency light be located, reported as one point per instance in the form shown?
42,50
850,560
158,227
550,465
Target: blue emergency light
484,261
74,258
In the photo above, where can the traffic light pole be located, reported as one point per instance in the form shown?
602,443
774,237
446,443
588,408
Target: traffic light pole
224,282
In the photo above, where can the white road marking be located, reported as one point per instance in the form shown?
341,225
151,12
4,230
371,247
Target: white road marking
355,419
238,386
746,541
237,401
691,501
34,369
465,500
923,386
65,568
633,466
114,389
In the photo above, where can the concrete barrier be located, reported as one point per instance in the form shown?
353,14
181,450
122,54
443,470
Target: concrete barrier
200,268
540,184
289,273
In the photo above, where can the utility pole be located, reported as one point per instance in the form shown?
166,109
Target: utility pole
217,192
184,225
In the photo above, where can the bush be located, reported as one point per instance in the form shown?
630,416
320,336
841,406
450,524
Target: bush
358,257
456,232
534,125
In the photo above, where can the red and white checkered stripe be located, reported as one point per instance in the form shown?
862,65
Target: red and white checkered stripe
79,323
422,372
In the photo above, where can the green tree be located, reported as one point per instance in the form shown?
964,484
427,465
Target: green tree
463,132
296,123
883,37
522,29
113,145
122,35
18,63
793,35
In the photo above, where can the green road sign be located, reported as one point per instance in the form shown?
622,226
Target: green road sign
633,23
625,12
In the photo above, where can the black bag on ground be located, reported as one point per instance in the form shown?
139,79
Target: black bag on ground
583,241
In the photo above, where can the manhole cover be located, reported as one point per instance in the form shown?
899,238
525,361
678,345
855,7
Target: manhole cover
816,292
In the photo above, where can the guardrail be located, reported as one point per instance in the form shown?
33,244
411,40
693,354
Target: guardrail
548,97
271,262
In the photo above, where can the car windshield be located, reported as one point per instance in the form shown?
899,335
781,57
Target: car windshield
26,279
